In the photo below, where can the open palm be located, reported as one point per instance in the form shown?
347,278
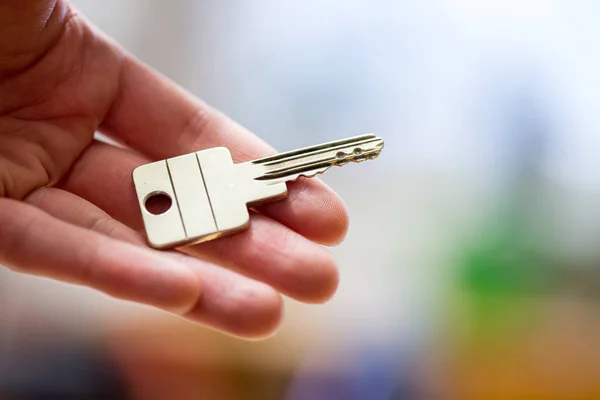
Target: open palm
67,205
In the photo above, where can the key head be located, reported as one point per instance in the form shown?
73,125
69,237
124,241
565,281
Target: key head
198,201
201,196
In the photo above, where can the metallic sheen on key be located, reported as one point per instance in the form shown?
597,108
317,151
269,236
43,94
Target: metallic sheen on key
209,195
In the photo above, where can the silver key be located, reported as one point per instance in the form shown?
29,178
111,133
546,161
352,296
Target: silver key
206,196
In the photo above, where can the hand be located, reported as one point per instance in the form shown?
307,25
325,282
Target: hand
68,209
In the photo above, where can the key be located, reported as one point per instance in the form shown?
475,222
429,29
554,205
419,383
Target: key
204,195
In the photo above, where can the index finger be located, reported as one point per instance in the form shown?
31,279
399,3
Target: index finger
153,115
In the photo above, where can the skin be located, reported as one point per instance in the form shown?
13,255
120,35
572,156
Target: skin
68,209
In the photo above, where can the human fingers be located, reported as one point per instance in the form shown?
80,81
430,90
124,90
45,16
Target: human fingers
229,302
268,251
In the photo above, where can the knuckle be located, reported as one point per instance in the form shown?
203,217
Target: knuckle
15,228
104,225
194,128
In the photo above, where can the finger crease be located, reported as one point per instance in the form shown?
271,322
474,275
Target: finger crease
194,128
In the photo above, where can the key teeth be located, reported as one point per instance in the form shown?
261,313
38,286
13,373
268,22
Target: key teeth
358,158
310,174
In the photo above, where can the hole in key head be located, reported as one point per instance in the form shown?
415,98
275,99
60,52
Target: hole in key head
158,203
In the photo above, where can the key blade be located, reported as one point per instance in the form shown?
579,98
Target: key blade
290,155
314,160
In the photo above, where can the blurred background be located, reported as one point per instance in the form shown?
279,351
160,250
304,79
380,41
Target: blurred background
471,267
